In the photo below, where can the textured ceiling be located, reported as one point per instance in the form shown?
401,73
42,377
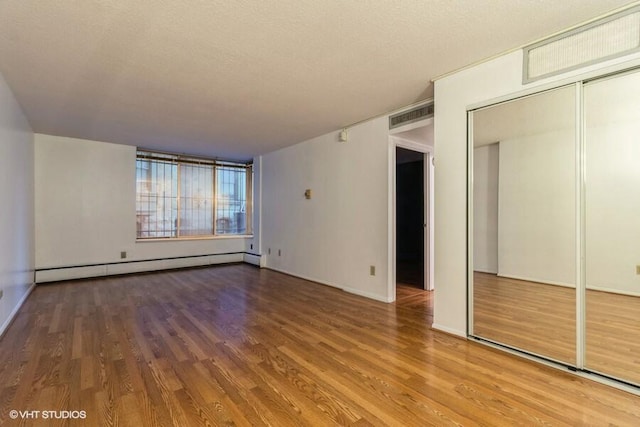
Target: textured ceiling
240,78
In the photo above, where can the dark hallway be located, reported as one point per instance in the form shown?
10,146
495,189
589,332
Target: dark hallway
409,217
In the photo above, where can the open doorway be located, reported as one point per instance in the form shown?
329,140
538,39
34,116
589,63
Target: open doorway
410,251
411,240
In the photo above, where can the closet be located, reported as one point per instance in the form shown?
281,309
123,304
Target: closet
554,237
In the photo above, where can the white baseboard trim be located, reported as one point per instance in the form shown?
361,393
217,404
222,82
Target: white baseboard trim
482,270
300,276
566,285
15,310
55,274
322,282
613,291
449,330
253,259
529,279
368,295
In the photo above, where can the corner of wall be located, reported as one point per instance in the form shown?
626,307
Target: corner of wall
17,246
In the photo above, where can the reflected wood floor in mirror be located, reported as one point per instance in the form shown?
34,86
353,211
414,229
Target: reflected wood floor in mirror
236,345
613,335
540,318
531,316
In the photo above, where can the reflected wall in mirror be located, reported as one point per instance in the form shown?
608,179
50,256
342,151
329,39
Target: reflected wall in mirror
612,226
524,224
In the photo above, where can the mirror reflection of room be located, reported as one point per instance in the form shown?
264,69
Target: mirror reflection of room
524,224
612,226
543,194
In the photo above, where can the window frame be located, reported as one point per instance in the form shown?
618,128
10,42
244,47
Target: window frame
180,160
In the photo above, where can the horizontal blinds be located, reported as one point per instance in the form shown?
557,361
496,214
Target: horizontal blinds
194,160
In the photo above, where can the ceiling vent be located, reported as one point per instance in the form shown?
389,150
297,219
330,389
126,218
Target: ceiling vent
614,36
415,114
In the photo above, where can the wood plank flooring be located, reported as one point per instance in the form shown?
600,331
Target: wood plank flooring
613,335
235,345
531,316
540,318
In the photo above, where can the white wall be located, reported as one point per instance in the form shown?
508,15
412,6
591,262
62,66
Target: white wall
334,237
537,227
488,82
16,216
453,95
529,183
612,109
485,208
85,213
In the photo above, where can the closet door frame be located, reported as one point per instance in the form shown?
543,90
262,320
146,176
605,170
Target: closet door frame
578,82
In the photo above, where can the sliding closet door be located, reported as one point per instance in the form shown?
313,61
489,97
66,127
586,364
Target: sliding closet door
612,226
523,155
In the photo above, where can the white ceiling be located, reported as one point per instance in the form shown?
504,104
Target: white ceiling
243,77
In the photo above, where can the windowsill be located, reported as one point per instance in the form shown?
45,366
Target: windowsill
191,238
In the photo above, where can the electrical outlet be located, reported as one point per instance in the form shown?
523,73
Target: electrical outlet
638,269
1,293
123,255
279,252
372,270
269,251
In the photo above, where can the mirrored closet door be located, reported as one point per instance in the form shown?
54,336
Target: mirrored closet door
523,280
555,225
612,226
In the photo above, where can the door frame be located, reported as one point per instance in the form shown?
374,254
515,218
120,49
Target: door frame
428,209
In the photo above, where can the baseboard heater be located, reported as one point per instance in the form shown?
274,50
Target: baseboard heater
54,274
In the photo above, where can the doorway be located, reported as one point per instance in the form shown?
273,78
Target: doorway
410,215
411,194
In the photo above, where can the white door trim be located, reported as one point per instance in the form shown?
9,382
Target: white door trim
428,217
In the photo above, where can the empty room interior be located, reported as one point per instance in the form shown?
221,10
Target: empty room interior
388,213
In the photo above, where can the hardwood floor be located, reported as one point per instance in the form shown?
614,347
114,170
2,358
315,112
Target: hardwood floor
540,318
612,327
531,316
410,272
418,300
235,345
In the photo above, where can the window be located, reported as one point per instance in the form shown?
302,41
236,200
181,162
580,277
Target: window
179,196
